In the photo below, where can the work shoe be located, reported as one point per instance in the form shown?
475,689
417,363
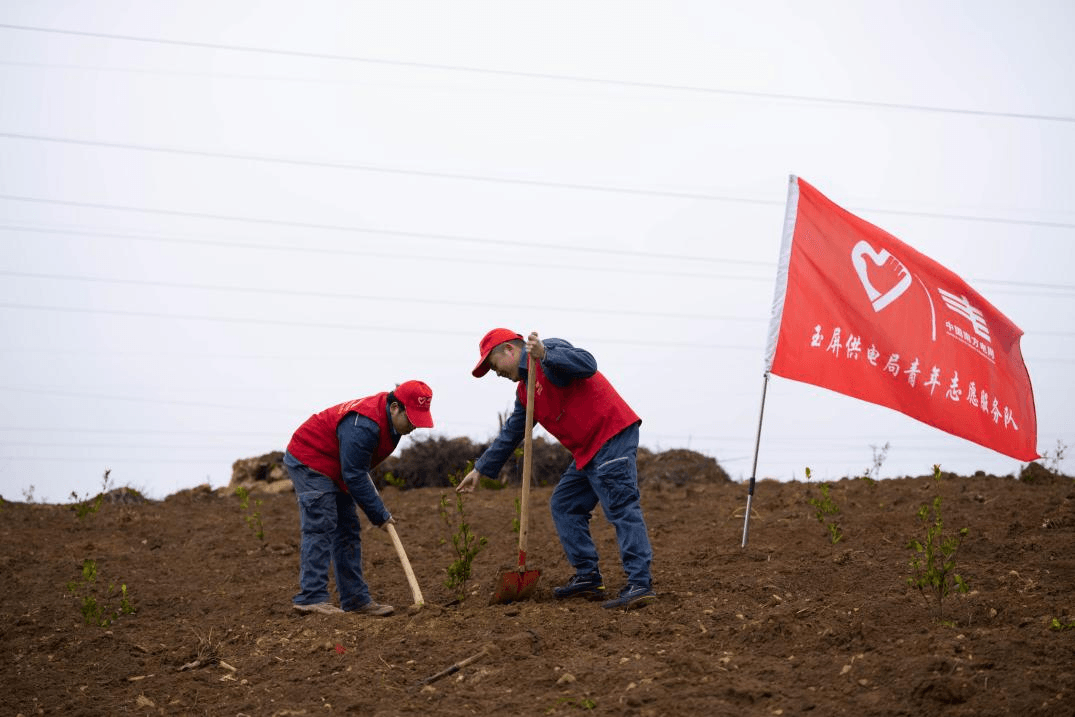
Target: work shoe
325,608
375,608
589,586
632,596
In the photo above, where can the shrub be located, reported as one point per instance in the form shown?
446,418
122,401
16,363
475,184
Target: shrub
97,604
89,506
933,563
253,519
465,544
825,507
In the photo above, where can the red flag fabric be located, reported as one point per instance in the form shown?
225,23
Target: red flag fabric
859,312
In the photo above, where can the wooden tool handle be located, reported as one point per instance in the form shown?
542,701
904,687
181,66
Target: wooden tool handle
528,461
454,668
416,592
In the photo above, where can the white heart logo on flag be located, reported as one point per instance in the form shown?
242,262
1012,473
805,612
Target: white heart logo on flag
882,258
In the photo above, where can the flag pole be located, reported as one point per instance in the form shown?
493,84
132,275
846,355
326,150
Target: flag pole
779,293
754,468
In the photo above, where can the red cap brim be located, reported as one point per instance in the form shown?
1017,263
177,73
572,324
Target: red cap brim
483,366
489,342
420,419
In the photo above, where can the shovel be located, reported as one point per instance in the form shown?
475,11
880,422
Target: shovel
416,592
519,583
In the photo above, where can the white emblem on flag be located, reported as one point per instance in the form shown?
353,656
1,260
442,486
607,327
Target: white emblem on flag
882,258
962,306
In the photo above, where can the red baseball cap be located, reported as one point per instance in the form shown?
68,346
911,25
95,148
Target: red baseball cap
416,397
489,342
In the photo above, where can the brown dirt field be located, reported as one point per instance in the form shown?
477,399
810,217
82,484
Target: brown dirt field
791,625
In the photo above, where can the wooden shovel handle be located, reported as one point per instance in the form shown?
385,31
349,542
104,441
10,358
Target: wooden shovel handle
528,461
416,592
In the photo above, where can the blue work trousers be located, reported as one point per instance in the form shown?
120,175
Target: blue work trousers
330,534
610,479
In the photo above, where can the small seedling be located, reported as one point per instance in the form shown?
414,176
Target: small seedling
1053,459
88,506
515,521
873,473
1059,625
825,507
253,519
96,604
465,544
933,563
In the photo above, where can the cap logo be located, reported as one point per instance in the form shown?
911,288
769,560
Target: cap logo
423,400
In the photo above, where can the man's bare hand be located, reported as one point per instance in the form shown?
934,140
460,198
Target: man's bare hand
534,346
469,482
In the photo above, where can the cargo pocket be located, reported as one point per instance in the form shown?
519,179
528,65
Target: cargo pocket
619,482
318,514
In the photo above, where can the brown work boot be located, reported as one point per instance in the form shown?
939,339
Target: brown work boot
375,608
325,608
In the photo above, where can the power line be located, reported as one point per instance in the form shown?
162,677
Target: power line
55,445
364,230
425,331
178,73
373,297
440,67
438,302
697,196
390,329
388,170
121,461
130,431
365,253
114,397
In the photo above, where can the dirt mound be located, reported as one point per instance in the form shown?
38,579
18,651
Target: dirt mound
261,473
794,624
123,496
431,462
678,467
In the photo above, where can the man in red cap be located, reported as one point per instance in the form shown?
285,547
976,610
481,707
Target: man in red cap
575,403
329,459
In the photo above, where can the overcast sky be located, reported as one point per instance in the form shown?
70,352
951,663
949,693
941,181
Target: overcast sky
218,218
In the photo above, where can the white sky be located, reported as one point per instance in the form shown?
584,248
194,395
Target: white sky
219,218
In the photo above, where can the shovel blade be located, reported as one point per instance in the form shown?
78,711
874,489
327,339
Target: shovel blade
515,584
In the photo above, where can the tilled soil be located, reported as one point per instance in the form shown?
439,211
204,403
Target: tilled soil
791,625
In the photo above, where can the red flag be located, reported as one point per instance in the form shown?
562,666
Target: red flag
859,312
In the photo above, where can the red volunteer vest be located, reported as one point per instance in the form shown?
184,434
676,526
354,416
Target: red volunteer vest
316,445
582,415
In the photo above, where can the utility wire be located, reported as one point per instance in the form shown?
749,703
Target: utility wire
697,196
366,253
180,73
693,89
53,430
425,331
391,329
305,249
408,299
387,232
374,297
389,170
138,399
